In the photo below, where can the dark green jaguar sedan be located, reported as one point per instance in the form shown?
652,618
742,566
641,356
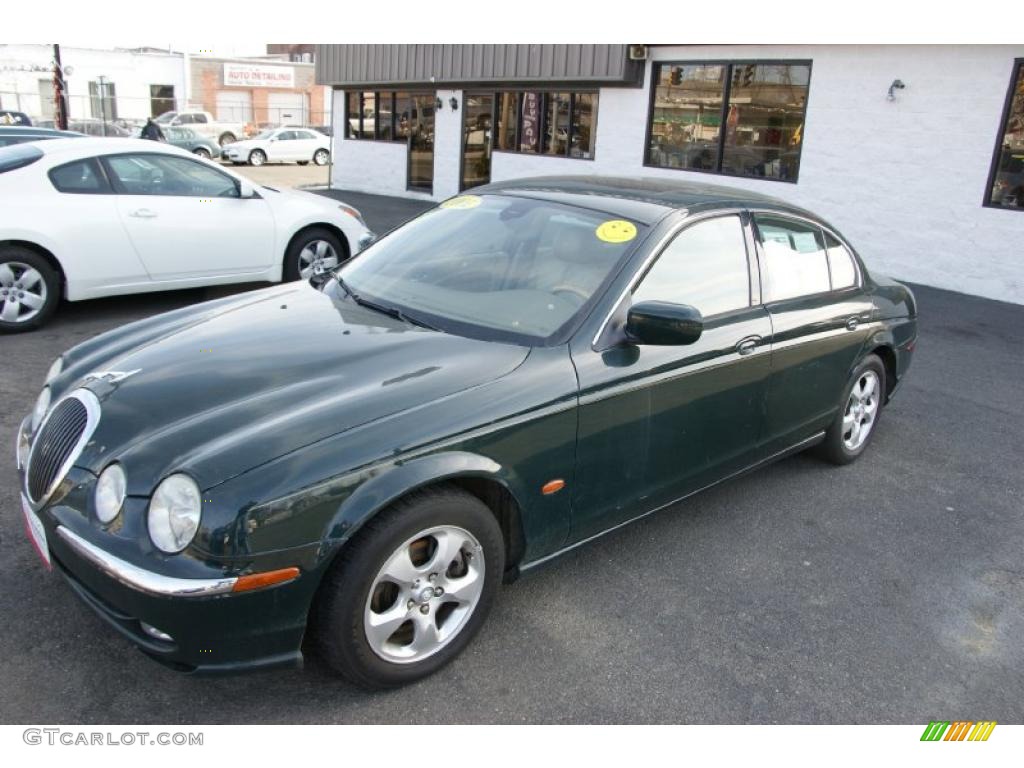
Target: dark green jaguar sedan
353,466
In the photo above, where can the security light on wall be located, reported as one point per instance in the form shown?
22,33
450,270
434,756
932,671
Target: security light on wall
454,103
897,85
438,104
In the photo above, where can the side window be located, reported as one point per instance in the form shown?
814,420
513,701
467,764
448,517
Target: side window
795,260
840,264
157,174
199,117
705,266
82,177
286,135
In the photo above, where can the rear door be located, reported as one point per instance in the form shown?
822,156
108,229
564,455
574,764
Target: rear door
185,217
820,322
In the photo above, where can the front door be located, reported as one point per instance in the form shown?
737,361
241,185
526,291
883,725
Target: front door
821,320
185,217
477,116
659,422
421,141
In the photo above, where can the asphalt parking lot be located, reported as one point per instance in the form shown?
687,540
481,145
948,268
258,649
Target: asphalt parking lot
889,591
284,174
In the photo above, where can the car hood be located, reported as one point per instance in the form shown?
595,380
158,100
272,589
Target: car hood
222,392
246,144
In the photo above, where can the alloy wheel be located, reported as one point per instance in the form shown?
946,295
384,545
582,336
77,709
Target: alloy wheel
321,157
861,411
316,257
257,158
424,594
22,292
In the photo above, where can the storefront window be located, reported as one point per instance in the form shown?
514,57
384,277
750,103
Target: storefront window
376,115
1006,188
582,142
556,124
385,116
507,116
741,119
401,116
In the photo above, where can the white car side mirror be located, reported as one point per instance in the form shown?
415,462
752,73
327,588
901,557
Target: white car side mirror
246,190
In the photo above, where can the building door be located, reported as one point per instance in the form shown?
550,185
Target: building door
477,119
421,142
234,106
287,109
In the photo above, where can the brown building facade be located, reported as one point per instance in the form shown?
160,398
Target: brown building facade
264,92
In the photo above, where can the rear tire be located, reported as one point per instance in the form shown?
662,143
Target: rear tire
302,162
203,153
29,289
321,157
860,408
226,138
257,158
442,541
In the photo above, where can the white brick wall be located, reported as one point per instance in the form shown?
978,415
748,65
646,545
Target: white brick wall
904,180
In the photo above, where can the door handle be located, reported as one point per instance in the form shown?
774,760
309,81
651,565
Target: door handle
852,323
747,346
143,213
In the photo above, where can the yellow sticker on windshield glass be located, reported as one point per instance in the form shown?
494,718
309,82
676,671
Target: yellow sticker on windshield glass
616,231
462,203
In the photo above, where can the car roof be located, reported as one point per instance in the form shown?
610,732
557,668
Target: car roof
645,199
105,145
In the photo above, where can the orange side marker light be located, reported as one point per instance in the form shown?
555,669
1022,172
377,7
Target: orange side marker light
265,579
552,486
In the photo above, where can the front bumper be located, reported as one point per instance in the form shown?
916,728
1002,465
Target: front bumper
208,629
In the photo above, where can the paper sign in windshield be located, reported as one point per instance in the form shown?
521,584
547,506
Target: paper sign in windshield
462,202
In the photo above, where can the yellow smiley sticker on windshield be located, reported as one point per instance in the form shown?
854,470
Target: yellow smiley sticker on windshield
616,231
462,203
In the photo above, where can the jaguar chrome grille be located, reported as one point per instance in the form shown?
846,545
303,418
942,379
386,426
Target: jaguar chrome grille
59,442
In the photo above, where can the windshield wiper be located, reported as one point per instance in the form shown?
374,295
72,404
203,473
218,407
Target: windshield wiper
394,312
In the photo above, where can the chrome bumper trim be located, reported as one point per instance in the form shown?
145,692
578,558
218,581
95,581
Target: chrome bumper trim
141,579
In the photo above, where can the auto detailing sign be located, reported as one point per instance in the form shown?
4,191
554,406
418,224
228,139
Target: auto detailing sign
259,76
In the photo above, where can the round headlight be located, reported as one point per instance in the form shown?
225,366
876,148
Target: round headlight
174,513
109,494
55,369
42,406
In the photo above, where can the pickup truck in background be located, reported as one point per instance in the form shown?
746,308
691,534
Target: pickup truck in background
205,124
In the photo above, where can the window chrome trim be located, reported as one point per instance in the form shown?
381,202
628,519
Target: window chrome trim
139,578
92,420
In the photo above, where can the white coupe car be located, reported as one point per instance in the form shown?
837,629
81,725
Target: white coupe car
83,218
281,145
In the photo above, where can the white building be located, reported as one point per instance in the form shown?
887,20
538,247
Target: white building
914,152
136,84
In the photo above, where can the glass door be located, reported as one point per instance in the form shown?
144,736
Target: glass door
477,116
421,141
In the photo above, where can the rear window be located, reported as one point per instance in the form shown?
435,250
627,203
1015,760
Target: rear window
18,156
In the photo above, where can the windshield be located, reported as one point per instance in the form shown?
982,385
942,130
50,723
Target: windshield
165,118
519,267
265,134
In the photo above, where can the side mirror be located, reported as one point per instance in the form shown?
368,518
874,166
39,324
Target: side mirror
246,190
663,323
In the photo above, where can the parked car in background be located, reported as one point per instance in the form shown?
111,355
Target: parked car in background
92,127
204,124
186,138
359,465
281,145
10,117
13,134
99,217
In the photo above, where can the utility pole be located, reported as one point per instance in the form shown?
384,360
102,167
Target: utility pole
60,92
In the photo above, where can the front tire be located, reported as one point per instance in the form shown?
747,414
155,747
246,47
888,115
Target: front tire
410,592
313,252
859,411
257,157
29,289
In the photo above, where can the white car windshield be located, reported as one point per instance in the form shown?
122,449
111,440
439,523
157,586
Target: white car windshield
494,265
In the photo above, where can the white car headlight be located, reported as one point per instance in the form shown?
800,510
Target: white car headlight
109,493
55,369
174,513
41,407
